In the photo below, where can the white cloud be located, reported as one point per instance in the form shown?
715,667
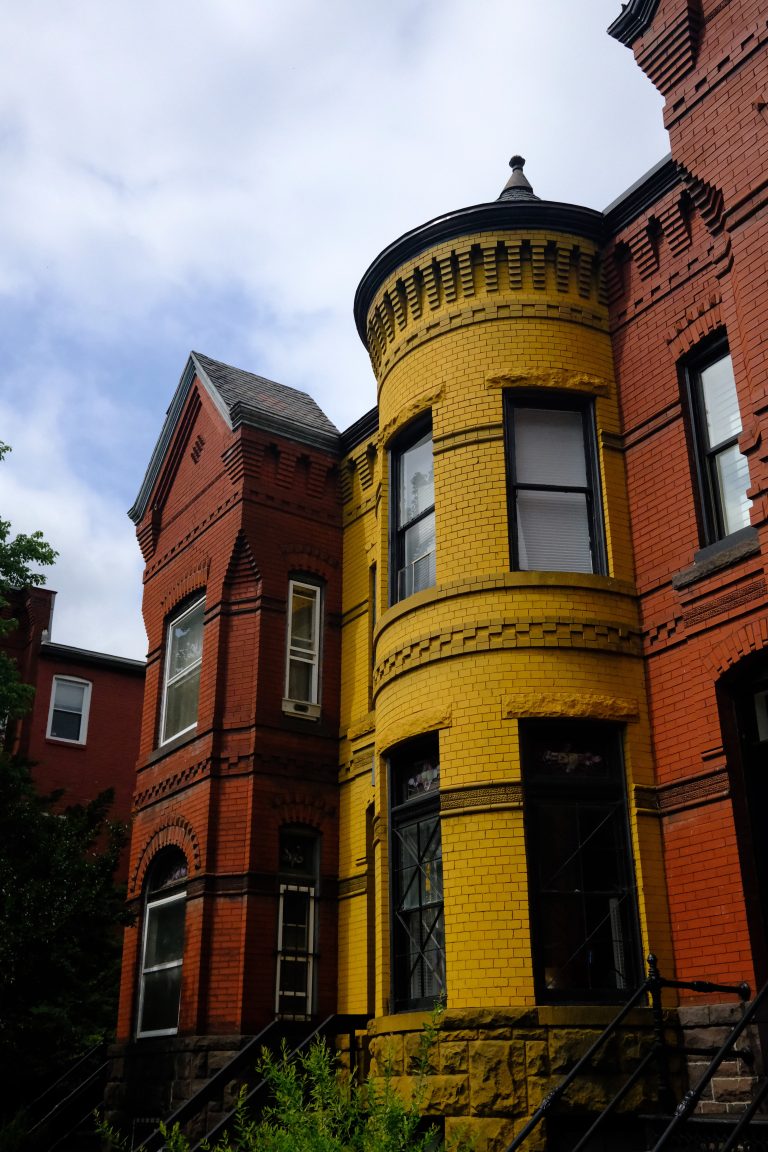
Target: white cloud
218,174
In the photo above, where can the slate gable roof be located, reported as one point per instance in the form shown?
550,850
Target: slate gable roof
241,398
245,393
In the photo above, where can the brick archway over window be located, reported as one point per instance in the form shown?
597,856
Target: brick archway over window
177,833
751,638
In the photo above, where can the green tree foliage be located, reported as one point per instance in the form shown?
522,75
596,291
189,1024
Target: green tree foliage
59,943
20,556
59,908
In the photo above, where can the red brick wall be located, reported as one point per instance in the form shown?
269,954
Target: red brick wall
692,264
236,520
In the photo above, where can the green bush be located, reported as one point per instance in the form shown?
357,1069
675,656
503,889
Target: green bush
314,1107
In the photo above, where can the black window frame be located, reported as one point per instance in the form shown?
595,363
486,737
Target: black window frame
409,438
578,790
418,811
298,885
703,454
557,402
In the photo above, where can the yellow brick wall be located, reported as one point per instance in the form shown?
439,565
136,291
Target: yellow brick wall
448,334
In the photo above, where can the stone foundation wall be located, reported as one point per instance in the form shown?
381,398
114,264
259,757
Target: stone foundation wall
152,1077
706,1026
487,1071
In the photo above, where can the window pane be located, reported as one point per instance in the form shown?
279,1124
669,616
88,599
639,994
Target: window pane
181,703
721,407
303,621
549,447
417,485
553,531
69,696
165,933
761,714
300,680
160,1006
66,725
186,640
583,913
418,570
732,483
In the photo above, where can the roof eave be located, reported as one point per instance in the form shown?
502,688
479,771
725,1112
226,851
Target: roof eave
498,215
283,426
633,20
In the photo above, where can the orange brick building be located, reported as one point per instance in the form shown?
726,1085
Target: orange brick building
393,672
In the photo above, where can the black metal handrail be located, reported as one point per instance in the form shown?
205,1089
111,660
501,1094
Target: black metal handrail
331,1026
296,1036
651,987
693,1095
63,1106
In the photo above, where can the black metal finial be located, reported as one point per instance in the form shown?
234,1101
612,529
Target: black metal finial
517,187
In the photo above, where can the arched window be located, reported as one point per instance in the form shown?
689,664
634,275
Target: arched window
162,949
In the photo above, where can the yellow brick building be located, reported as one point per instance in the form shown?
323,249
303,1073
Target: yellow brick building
497,853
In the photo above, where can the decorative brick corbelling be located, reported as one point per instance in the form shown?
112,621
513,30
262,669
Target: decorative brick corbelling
194,534
667,57
483,313
177,833
172,783
588,705
495,268
494,635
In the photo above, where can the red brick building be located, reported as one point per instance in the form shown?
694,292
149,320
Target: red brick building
235,806
81,734
235,852
686,265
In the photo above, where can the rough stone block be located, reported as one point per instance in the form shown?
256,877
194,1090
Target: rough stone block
386,1052
486,1135
414,1051
453,1057
497,1077
536,1058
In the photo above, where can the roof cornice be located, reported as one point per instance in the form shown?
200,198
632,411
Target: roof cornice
642,195
499,215
68,654
633,20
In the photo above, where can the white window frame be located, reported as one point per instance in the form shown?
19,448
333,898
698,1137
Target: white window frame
151,906
84,713
294,957
310,656
168,680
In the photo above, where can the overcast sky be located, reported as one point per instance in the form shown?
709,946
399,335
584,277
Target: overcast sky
217,175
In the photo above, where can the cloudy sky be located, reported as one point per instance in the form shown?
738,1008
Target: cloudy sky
217,175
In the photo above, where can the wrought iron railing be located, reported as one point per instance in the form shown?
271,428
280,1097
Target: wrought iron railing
296,1037
648,992
68,1103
